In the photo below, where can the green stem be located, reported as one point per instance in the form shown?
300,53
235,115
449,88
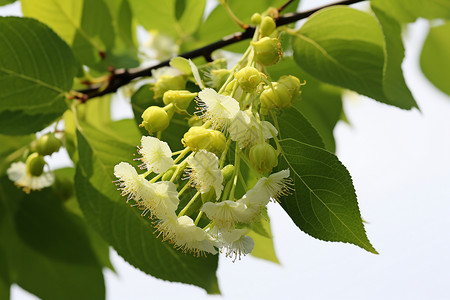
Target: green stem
183,211
236,171
224,153
183,189
199,216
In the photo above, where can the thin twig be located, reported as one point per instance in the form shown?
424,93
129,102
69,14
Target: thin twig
121,77
283,7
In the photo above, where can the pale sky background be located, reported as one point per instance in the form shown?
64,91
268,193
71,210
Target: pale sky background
400,164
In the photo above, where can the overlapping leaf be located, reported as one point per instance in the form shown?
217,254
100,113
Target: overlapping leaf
346,47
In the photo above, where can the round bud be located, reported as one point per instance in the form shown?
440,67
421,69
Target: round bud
277,97
179,98
35,164
48,144
267,26
263,157
292,83
227,173
256,19
268,50
168,82
201,138
248,78
169,173
155,119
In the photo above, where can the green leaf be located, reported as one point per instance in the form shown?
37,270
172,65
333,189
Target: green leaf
6,2
264,248
319,102
434,60
346,47
393,82
410,10
38,272
84,25
292,124
36,69
5,281
123,226
175,18
20,123
324,203
223,24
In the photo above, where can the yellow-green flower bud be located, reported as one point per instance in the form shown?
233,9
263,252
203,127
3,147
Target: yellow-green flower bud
48,144
168,82
292,83
227,173
256,19
233,84
219,77
179,98
263,157
201,138
248,78
267,26
155,119
35,164
169,173
277,97
268,50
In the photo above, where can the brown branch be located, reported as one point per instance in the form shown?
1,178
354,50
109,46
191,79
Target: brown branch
122,77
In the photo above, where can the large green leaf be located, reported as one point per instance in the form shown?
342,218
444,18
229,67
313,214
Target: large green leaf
320,103
346,47
122,226
11,148
435,59
85,25
410,10
178,18
38,271
393,82
223,24
36,70
5,2
324,203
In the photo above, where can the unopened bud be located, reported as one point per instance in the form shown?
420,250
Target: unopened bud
179,98
277,97
35,164
169,173
227,173
201,138
256,19
263,157
292,83
267,26
48,144
268,50
168,82
248,78
63,187
155,119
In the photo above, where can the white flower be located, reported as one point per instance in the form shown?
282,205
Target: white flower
254,200
276,185
246,130
189,237
238,243
165,71
225,214
159,198
167,228
17,172
196,74
156,154
129,181
205,172
217,108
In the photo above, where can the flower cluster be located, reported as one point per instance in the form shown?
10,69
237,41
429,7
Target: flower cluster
198,197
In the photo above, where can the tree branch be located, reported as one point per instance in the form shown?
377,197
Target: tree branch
121,77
